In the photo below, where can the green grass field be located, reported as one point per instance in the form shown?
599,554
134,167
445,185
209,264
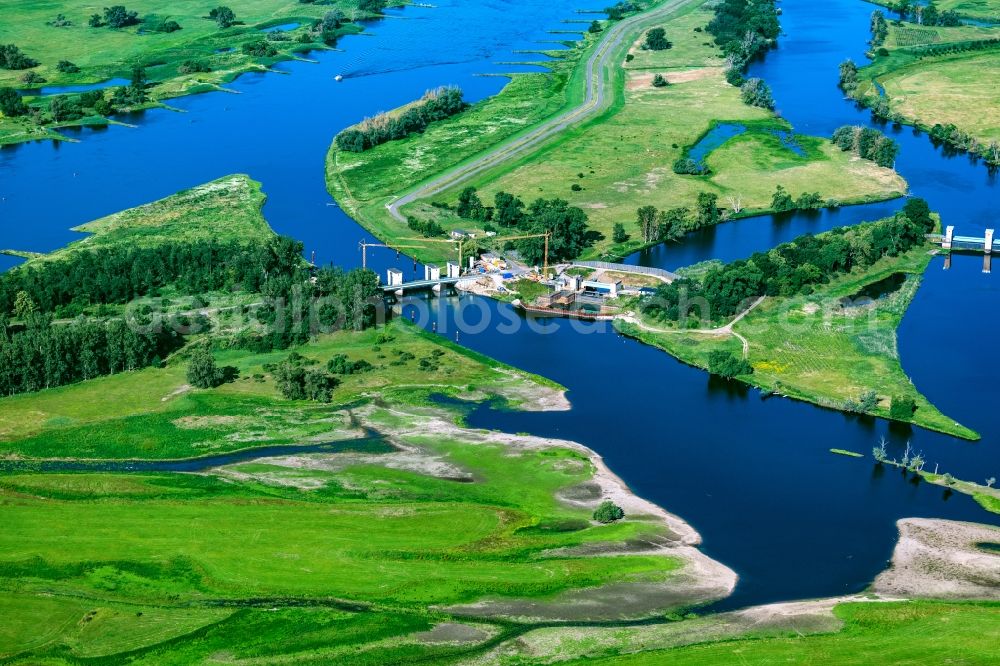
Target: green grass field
227,209
362,183
927,90
106,562
884,633
105,53
812,348
622,159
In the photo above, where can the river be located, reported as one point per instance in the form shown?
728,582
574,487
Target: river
754,476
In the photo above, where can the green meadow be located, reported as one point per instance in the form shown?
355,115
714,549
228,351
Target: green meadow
105,53
614,163
885,633
926,89
820,348
623,160
335,556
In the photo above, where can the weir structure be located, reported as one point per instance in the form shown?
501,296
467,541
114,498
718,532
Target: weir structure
949,241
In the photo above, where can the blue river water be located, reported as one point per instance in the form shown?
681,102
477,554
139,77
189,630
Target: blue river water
754,476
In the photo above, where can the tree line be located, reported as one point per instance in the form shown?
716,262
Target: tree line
435,105
743,28
925,14
868,143
790,268
44,355
567,225
120,273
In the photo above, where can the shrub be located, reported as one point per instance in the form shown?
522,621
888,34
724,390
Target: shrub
259,48
618,234
687,166
202,371
192,66
11,57
902,408
608,512
728,365
660,82
757,93
223,16
656,40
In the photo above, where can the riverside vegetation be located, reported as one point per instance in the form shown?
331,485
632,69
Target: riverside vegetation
824,330
363,553
935,76
602,166
164,50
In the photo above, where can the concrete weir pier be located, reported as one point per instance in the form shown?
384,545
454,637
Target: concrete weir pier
949,241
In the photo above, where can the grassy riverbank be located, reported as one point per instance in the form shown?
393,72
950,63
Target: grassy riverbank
105,53
358,551
626,156
927,88
622,159
820,348
413,538
363,183
888,633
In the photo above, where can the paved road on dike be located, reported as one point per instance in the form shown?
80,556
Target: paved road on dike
593,102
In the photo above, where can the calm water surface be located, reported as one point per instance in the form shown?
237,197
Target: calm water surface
753,476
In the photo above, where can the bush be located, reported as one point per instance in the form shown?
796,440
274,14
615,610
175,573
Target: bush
66,67
618,234
902,408
341,365
687,166
11,57
728,365
259,48
608,512
192,67
757,93
656,40
11,104
202,371
435,105
224,16
117,16
660,82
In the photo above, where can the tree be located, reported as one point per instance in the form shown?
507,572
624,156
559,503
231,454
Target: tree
11,57
66,67
10,103
646,218
618,234
782,201
708,209
567,228
595,27
95,21
660,82
224,16
508,210
919,212
608,512
470,206
902,408
117,16
23,305
756,92
727,365
202,371
656,40
372,6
